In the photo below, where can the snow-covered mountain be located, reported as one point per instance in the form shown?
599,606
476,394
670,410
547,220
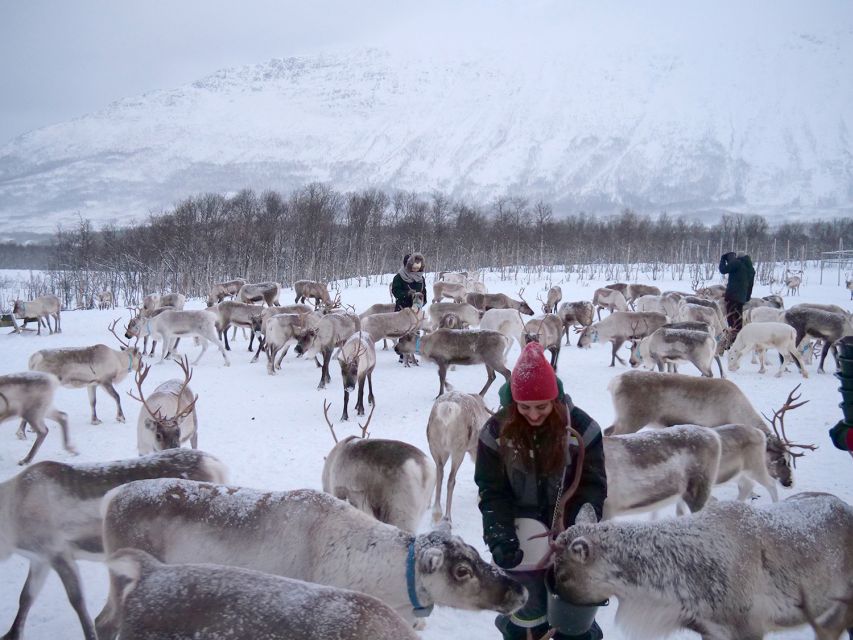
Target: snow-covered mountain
739,124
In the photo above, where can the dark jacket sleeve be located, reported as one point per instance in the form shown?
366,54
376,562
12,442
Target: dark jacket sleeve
496,498
728,264
593,483
400,291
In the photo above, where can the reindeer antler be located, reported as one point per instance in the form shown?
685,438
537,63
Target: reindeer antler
141,374
364,433
326,407
184,364
779,431
544,303
112,329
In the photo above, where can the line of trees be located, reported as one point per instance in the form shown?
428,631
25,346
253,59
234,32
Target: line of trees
319,233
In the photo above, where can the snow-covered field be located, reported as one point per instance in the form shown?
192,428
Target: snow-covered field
270,431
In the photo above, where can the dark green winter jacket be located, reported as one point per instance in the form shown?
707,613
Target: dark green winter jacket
508,490
741,277
405,283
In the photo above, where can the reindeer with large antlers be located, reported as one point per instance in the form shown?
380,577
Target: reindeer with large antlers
357,358
168,416
387,479
90,367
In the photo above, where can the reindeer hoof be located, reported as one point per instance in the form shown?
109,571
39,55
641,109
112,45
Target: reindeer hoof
72,450
96,421
121,419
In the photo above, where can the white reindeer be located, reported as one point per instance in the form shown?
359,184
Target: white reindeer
507,322
610,299
761,336
42,307
170,324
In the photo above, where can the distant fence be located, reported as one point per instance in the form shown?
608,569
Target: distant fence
838,260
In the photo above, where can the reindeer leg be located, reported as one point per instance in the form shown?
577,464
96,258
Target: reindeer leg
455,463
720,366
21,433
823,352
258,352
359,405
65,566
439,478
92,388
32,587
111,390
370,388
491,378
345,414
225,336
442,374
795,356
282,352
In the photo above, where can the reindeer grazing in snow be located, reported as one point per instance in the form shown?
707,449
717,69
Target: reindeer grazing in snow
42,307
761,336
485,301
317,290
329,333
52,516
231,313
454,424
263,292
168,325
29,396
668,345
357,357
555,295
318,539
580,313
389,480
279,331
727,572
610,299
817,323
168,416
211,601
450,346
547,331
90,367
619,327
219,290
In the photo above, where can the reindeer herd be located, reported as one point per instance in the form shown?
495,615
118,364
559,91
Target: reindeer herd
203,554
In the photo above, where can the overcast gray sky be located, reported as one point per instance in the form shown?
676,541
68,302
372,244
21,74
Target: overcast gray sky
64,58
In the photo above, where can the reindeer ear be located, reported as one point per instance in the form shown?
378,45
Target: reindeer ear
586,515
580,550
431,560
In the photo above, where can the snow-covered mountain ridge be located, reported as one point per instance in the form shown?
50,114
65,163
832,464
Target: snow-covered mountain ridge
763,127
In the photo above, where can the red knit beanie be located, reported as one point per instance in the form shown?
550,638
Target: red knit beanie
533,379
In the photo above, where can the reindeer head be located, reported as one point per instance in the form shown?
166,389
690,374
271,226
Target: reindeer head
305,341
587,336
18,309
166,429
780,454
450,321
524,307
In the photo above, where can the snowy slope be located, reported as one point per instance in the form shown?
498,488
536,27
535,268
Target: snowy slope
652,109
271,434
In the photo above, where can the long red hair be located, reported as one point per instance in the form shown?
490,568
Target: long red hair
517,438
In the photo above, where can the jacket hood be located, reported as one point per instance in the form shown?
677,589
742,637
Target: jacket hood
416,257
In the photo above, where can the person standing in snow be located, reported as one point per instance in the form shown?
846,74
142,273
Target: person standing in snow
525,460
738,290
408,281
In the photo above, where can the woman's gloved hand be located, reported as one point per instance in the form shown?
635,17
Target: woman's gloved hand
507,554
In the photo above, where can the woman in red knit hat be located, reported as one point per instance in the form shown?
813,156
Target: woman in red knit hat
525,460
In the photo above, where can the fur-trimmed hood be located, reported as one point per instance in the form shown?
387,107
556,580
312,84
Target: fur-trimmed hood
412,258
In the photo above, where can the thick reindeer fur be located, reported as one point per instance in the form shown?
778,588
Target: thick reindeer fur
730,572
29,396
580,313
547,331
761,336
151,435
649,469
817,323
51,514
636,291
455,291
263,292
387,479
210,601
610,299
330,332
357,358
466,313
669,346
90,367
486,301
306,535
619,327
231,313
507,322
169,325
43,307
219,290
743,457
454,425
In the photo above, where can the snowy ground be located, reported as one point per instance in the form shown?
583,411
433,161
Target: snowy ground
271,434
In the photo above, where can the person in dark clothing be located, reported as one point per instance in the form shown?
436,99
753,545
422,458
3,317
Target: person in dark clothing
525,460
409,281
738,290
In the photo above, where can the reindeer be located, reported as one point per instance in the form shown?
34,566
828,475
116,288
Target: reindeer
621,287
357,358
744,457
547,331
52,517
467,314
259,325
453,427
90,367
237,314
648,469
318,539
204,600
457,277
168,417
650,303
712,292
389,480
475,286
219,290
667,345
508,322
736,558
379,307
689,312
455,291
793,282
611,299
170,324
835,620
43,307
449,346
29,396
636,291
555,295
310,289
645,398
174,300
619,327
331,331
760,336
824,325
575,314
263,292
279,331
380,326
105,300
486,301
